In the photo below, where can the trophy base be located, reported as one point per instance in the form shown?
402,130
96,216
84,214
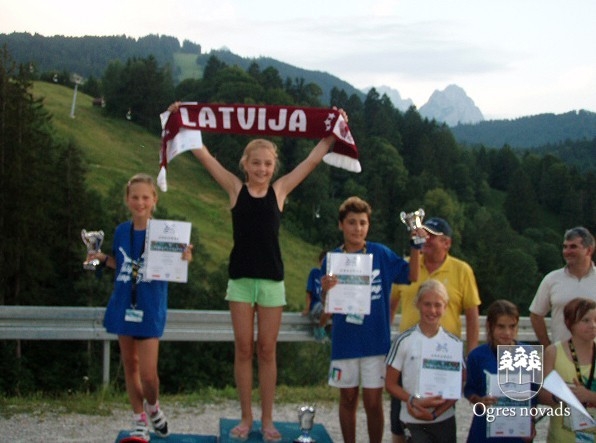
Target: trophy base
91,265
304,439
418,240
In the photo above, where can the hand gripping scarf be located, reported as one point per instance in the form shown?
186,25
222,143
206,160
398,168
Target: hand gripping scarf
181,131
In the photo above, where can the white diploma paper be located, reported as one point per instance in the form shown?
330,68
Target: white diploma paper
351,295
514,423
557,386
165,241
577,421
441,369
580,418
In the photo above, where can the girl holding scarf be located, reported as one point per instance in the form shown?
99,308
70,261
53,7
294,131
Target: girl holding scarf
256,273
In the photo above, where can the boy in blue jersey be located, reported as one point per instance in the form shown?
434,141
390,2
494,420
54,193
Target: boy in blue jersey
359,343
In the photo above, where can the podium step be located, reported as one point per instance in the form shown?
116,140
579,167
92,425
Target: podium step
174,438
288,430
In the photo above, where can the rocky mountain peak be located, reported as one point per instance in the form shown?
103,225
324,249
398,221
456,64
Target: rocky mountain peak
451,106
400,103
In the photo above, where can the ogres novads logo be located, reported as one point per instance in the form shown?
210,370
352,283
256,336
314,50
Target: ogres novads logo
519,370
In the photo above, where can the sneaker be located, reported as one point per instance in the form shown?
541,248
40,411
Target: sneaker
158,421
320,334
141,430
316,312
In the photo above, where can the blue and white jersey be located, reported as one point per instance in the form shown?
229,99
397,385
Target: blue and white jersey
373,335
151,296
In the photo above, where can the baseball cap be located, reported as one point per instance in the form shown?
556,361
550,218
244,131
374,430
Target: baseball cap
438,226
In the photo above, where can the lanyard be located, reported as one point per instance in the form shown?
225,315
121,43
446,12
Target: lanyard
362,251
588,383
135,266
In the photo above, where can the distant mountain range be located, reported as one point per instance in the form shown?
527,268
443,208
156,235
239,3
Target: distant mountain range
394,96
451,106
89,56
530,132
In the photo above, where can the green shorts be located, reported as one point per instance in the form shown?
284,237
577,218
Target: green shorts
260,291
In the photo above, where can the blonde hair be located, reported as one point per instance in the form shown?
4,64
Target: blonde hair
258,143
142,178
432,285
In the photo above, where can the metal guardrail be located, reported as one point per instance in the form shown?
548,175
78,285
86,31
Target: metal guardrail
86,323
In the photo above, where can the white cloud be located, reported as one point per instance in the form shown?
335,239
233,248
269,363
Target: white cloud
512,57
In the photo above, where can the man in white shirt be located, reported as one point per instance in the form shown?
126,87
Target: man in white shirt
576,279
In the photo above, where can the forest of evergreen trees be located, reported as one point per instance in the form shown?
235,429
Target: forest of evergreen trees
508,208
530,132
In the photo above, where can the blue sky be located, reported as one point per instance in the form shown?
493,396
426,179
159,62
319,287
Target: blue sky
512,57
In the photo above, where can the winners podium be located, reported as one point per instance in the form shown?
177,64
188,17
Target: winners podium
289,431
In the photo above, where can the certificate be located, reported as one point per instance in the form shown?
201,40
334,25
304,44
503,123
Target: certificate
580,418
165,241
441,369
577,421
351,294
513,420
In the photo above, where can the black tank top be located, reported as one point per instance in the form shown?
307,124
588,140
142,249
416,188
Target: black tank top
256,252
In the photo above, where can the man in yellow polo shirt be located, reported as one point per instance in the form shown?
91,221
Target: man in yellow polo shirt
457,276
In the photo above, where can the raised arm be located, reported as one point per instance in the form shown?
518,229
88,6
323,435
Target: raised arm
415,253
286,184
228,181
414,264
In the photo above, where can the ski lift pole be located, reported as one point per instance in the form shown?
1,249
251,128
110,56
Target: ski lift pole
74,98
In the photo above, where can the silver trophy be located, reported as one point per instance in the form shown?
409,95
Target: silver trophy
306,417
413,220
93,241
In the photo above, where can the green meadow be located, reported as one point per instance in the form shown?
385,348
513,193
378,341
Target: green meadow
117,149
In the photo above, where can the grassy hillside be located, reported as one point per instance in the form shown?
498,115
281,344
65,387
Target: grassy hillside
186,66
117,149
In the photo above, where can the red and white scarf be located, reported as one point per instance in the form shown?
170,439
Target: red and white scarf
181,131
